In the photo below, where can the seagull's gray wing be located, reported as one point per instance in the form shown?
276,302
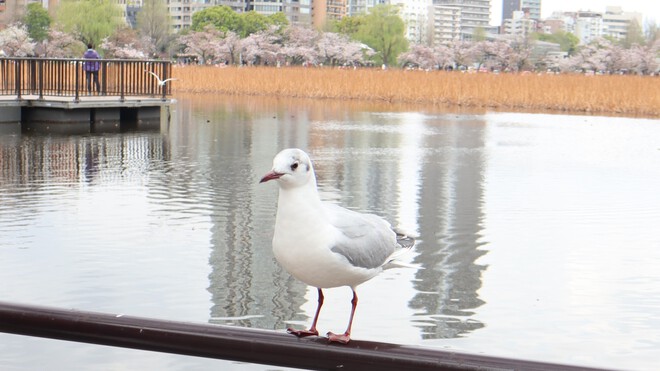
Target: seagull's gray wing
365,240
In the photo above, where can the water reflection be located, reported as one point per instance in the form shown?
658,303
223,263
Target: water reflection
451,218
174,225
422,172
247,287
38,160
36,172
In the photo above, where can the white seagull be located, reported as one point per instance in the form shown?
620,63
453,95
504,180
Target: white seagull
160,82
322,244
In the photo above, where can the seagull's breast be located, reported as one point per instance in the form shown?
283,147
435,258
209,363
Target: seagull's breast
302,245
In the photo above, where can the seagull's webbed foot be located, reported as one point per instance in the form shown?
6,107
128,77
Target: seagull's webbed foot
339,338
303,333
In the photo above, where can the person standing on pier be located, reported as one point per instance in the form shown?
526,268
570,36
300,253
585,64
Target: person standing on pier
91,69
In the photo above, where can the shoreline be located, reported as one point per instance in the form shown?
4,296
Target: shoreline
630,96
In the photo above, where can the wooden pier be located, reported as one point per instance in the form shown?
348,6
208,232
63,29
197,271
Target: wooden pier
51,95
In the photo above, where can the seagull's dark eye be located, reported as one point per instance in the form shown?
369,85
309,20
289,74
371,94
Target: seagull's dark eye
294,166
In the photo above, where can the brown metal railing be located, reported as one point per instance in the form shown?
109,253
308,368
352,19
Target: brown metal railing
245,344
66,77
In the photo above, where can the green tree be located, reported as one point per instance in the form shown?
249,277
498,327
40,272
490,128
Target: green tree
384,31
37,21
652,32
221,17
224,19
348,25
252,22
278,19
634,35
566,40
153,21
90,20
479,34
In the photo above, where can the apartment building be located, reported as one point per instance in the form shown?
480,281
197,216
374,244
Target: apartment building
532,7
616,22
444,24
588,26
475,14
520,24
355,7
414,14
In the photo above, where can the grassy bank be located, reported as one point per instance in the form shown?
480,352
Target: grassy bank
629,95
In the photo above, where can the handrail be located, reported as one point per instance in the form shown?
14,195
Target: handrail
243,344
66,77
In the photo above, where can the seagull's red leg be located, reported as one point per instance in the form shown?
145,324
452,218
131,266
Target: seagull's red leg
346,336
312,330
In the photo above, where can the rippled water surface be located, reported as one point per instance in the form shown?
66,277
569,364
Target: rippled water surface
539,235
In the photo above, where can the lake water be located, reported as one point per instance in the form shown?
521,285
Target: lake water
539,234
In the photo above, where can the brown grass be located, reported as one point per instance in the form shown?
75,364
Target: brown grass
628,95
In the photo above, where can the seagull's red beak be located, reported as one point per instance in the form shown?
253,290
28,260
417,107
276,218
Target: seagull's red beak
270,176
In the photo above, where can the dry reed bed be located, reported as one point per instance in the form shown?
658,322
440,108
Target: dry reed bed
629,95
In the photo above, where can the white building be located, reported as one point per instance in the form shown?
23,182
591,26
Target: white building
181,12
519,25
474,14
588,26
414,14
585,25
533,7
355,7
444,24
616,22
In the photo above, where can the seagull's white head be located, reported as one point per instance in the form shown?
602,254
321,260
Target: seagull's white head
292,168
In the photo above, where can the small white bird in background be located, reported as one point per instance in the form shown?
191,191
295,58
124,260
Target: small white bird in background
322,244
160,82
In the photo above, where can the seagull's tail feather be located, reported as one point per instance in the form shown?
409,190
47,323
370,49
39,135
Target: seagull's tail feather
399,263
405,243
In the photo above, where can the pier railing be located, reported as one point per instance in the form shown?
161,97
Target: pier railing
245,344
66,77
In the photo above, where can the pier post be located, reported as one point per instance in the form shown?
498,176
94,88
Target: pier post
10,120
54,120
105,120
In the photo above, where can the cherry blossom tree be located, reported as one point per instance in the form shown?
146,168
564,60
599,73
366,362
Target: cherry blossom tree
616,59
263,47
329,47
15,41
206,45
644,59
444,55
521,51
607,57
592,57
462,52
338,49
421,56
59,44
127,43
481,52
296,44
580,61
300,45
231,45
